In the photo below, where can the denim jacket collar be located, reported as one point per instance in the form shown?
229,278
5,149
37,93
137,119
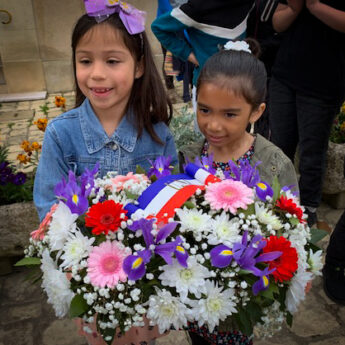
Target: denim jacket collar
96,138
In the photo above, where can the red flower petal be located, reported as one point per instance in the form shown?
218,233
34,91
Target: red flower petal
286,265
105,216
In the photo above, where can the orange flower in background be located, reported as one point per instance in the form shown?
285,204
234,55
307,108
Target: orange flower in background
35,146
60,101
23,158
41,124
26,146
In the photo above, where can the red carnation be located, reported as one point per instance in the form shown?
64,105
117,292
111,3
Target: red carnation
105,216
286,265
289,206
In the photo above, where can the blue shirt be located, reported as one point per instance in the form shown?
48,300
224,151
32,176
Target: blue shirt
76,140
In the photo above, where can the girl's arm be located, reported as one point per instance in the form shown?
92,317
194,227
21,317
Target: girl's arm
50,170
285,15
328,15
165,28
170,150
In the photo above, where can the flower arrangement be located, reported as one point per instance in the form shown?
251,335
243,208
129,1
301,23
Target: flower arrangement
187,248
338,129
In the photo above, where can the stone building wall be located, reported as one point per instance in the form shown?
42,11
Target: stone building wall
35,46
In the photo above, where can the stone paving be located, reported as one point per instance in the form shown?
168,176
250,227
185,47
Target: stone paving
26,318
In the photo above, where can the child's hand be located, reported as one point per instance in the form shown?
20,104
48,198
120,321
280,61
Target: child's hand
296,5
192,58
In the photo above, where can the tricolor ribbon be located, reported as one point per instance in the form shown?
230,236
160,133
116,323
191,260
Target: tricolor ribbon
162,197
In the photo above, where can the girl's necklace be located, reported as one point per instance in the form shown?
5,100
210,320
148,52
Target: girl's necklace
224,166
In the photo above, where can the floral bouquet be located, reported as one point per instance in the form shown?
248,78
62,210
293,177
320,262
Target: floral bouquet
199,247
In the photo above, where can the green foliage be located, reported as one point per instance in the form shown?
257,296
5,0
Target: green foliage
317,235
182,128
44,108
338,129
28,262
78,306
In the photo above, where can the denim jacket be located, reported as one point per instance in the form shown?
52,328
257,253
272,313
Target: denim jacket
76,140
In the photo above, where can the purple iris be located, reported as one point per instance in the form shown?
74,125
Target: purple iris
246,256
244,172
160,167
72,194
289,188
134,265
206,163
263,282
87,179
221,256
263,190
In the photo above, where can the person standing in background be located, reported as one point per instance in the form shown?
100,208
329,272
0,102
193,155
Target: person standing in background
209,24
165,6
307,87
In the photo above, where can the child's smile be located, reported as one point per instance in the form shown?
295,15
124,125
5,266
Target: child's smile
223,117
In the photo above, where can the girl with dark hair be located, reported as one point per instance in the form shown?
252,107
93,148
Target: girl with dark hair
122,111
231,91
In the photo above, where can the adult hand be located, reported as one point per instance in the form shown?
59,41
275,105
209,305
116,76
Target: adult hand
311,4
296,5
192,58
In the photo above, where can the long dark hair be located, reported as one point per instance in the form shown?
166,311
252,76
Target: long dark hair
148,98
239,71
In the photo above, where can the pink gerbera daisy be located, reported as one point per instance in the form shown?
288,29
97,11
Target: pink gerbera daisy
229,195
105,264
42,229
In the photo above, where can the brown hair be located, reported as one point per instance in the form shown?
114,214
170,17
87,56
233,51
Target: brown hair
239,71
148,98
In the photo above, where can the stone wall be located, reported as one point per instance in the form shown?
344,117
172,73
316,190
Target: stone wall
35,46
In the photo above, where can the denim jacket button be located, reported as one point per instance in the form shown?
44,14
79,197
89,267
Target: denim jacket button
114,146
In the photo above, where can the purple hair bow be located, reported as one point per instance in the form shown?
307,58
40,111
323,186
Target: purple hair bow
131,17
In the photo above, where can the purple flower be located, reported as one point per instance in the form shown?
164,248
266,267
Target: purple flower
135,267
263,190
72,194
87,179
160,167
263,282
206,163
221,256
289,188
180,252
19,178
6,174
244,172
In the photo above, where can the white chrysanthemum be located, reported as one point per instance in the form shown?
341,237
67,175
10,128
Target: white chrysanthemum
77,247
296,291
315,262
265,216
62,224
185,280
166,310
224,231
215,307
193,220
56,285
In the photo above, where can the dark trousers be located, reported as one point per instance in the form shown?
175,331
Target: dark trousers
197,340
296,118
336,248
168,79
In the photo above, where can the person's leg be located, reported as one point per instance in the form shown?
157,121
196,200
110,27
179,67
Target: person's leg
283,117
334,269
315,118
169,80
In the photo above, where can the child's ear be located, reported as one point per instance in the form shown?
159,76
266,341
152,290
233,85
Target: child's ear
139,69
256,113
